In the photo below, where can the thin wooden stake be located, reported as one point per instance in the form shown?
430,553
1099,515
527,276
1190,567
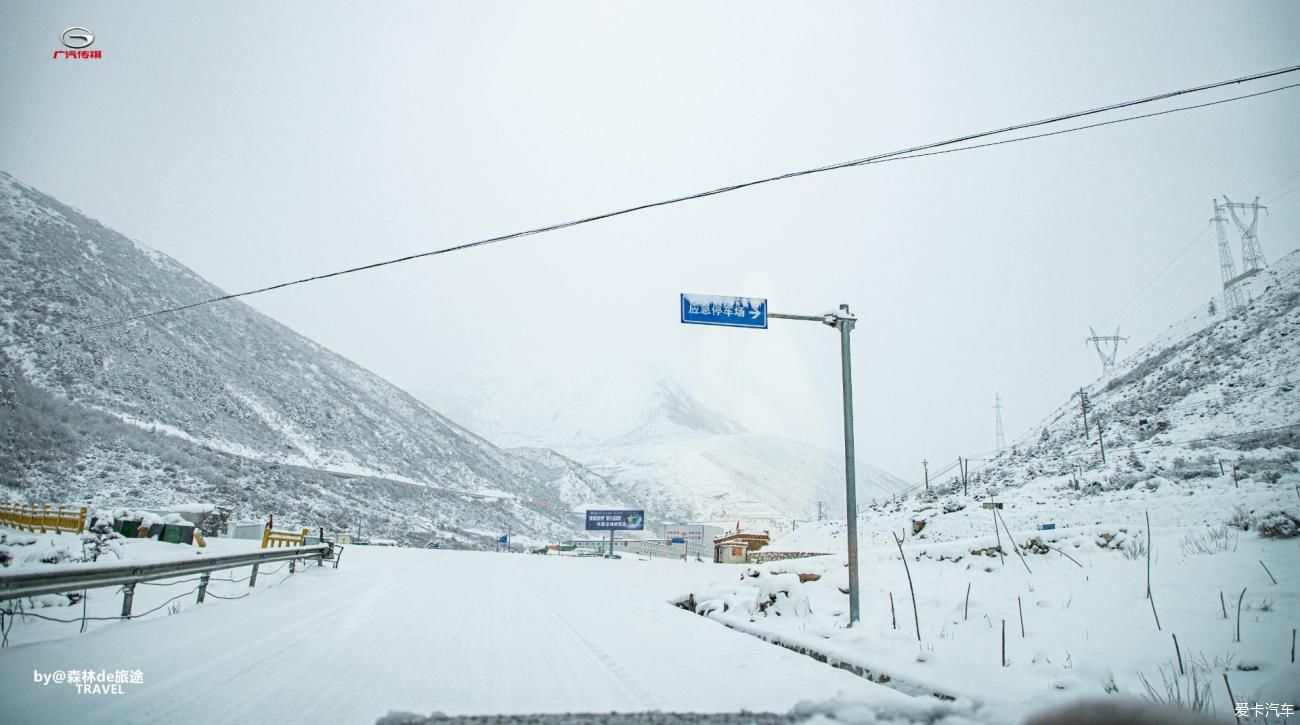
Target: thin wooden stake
1231,697
1239,600
1223,605
1148,514
965,615
1266,571
1062,553
1004,643
1014,546
1154,612
915,617
1021,609
1293,645
1179,653
996,532
892,619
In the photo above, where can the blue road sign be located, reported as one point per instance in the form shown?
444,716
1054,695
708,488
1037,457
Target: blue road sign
617,520
503,539
678,540
724,310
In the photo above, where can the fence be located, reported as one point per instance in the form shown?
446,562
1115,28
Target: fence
275,539
659,548
127,576
43,518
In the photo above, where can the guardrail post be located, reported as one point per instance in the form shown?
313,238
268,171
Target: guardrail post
128,595
203,586
291,565
252,580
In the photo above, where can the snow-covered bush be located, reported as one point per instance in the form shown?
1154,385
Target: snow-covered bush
760,594
100,539
1134,548
1240,518
1277,525
1213,541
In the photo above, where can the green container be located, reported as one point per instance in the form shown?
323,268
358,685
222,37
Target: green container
129,528
171,533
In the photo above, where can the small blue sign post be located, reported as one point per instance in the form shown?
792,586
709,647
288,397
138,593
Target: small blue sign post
725,311
678,540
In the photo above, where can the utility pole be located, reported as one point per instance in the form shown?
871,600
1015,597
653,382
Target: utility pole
844,321
1101,440
1083,408
821,510
926,465
1000,435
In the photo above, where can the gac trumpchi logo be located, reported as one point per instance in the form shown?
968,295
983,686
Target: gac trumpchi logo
78,39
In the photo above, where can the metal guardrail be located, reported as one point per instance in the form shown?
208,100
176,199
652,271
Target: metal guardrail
31,584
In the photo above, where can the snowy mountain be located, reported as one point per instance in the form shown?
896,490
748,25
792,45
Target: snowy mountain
1201,421
650,436
221,403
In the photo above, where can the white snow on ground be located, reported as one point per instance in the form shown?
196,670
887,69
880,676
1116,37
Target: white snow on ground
1088,626
419,631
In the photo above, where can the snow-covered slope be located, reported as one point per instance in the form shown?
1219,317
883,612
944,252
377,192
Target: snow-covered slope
220,402
651,437
1214,393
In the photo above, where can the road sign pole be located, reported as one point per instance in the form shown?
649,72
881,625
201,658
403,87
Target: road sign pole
845,324
843,320
611,543
753,312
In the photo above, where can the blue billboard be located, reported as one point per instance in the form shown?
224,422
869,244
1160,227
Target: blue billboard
615,520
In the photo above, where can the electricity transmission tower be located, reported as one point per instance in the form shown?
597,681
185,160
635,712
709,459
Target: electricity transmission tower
1001,436
1112,341
1252,256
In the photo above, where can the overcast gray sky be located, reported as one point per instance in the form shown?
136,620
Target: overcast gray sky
256,142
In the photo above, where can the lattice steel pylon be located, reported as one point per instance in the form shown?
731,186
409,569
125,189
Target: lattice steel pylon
1107,358
1227,268
1001,435
1252,256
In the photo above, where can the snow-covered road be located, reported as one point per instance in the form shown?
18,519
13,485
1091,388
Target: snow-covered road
424,631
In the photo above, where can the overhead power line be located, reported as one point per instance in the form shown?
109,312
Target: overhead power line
917,151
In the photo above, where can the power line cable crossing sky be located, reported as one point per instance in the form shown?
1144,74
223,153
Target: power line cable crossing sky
916,151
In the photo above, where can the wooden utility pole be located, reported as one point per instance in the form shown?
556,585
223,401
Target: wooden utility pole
1101,439
1083,408
926,465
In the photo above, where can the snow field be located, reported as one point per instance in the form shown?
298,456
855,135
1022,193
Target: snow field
1089,629
421,631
